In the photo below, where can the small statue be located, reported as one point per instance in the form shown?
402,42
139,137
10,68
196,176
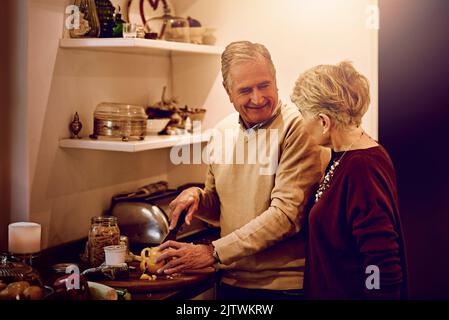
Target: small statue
75,126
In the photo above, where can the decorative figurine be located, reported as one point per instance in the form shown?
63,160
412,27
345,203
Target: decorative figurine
75,126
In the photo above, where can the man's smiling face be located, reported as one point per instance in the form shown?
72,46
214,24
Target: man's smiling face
253,91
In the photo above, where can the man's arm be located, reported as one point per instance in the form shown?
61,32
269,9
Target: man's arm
209,204
204,204
297,174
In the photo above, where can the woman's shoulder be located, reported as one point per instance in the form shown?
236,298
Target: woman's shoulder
363,163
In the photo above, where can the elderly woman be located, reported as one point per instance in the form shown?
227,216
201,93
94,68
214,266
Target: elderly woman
355,247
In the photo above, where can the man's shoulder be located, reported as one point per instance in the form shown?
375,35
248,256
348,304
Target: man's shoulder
290,113
289,120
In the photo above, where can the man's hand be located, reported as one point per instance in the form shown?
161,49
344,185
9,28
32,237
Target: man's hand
188,199
187,256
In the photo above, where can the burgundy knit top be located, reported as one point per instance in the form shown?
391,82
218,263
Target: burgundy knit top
356,225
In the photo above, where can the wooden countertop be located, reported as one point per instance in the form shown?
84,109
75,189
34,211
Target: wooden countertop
185,286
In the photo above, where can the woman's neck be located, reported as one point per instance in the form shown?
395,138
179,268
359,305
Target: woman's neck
346,139
351,139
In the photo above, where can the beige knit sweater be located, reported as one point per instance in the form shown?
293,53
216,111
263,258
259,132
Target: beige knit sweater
261,214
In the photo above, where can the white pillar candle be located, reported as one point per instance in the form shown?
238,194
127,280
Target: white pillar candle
24,237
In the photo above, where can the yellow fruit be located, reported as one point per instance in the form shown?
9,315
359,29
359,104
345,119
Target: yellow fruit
149,256
17,288
5,295
33,293
145,277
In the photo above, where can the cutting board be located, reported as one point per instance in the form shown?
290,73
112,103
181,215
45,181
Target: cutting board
162,283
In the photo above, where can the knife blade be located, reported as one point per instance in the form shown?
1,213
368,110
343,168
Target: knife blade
171,235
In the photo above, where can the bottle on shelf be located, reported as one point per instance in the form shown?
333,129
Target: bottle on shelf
105,11
117,31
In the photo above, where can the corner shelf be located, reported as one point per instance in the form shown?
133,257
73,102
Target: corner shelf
150,143
139,46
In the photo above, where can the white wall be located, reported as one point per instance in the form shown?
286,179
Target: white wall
70,186
67,187
299,34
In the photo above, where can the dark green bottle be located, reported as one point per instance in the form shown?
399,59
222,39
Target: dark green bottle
117,31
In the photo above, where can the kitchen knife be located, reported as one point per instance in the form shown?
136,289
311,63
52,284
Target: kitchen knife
171,235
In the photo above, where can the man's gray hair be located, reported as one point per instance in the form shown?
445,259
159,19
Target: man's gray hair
241,51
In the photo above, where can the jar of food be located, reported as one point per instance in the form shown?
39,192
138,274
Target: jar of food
104,231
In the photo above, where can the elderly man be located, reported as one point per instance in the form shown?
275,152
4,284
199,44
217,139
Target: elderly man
260,210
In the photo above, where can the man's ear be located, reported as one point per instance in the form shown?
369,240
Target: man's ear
326,122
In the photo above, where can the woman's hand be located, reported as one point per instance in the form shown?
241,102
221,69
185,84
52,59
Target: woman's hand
187,256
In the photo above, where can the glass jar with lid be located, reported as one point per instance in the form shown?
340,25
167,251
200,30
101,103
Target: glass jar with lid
119,120
104,231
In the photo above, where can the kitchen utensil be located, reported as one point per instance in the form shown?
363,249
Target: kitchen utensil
171,235
141,222
162,282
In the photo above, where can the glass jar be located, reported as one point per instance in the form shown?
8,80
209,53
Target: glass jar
104,231
89,26
117,120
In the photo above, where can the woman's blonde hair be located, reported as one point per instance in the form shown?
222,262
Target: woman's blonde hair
338,91
242,51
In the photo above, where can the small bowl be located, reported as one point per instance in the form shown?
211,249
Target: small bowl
154,126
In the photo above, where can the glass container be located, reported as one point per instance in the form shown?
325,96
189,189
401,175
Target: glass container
104,231
119,120
89,25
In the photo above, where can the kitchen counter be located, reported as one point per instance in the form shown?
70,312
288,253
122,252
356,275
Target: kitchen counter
195,284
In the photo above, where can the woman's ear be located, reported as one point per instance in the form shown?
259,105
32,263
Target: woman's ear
325,122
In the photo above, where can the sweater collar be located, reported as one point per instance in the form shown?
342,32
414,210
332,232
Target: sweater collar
264,123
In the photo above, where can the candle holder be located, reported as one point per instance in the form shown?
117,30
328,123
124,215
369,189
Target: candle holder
24,241
25,258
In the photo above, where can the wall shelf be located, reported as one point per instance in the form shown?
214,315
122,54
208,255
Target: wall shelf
139,46
150,143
